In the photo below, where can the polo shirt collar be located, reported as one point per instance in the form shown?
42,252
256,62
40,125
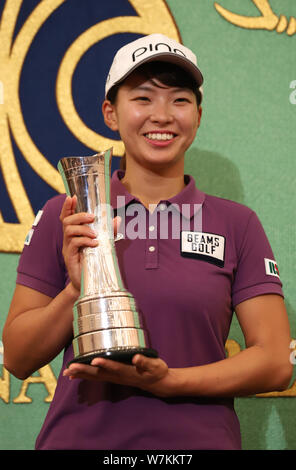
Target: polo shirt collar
188,202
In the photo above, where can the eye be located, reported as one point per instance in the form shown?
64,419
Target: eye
182,99
141,98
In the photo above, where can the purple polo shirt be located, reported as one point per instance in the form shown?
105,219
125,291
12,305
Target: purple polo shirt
186,287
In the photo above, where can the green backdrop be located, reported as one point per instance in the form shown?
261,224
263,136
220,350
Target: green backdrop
245,151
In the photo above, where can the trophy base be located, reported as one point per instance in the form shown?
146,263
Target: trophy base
124,355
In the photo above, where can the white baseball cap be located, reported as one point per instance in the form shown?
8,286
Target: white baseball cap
151,48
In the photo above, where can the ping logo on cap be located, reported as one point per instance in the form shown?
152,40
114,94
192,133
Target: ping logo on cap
149,48
271,267
155,47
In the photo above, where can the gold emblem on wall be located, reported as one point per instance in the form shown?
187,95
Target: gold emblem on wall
153,16
268,19
48,379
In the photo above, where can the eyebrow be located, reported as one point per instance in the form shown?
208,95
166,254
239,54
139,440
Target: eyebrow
153,85
143,88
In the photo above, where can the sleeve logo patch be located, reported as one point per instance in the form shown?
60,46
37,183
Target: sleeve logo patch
37,218
271,267
29,237
208,247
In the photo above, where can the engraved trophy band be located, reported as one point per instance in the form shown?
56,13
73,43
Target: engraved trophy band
106,320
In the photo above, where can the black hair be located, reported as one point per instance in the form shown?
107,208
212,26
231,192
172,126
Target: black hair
166,73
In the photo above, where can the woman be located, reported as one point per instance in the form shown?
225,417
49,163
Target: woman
186,287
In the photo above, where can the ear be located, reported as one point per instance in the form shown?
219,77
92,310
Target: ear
110,116
199,114
198,117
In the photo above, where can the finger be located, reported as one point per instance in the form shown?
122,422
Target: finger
79,231
79,218
69,218
77,370
75,243
69,206
90,372
115,371
110,365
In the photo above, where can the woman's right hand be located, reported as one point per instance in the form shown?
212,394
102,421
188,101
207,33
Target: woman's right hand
77,235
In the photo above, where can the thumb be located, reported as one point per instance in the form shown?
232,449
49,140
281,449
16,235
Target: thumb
142,363
116,224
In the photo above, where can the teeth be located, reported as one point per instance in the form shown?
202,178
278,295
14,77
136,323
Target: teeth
158,136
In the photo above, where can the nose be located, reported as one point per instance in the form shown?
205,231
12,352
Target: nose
161,113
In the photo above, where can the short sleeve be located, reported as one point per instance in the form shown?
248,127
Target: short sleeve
41,265
257,272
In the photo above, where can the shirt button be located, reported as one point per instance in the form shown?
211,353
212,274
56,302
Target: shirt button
151,249
151,228
162,207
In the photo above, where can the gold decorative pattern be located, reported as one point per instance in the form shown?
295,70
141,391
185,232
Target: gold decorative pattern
47,377
268,19
154,16
5,385
12,57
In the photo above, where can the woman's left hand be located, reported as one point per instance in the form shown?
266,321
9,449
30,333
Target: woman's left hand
150,374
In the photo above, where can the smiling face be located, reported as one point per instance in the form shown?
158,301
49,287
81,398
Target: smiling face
156,122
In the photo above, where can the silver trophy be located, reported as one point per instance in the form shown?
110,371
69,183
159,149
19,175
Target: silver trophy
106,321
